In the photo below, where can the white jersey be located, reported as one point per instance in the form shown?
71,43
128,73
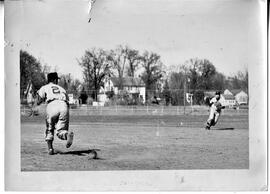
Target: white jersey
51,92
213,101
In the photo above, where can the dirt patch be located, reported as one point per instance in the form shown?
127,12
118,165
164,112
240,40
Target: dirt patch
139,143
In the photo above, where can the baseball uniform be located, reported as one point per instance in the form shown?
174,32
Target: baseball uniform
214,113
57,110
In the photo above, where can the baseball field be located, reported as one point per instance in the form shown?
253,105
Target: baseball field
139,142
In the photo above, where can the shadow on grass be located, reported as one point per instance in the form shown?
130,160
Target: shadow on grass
223,129
82,153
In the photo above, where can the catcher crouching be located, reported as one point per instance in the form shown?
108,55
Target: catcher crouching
57,111
215,111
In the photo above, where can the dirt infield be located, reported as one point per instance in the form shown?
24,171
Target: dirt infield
139,142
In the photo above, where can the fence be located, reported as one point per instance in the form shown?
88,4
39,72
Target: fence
131,110
137,110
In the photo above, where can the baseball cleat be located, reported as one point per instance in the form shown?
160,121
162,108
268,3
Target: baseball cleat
70,136
207,128
50,152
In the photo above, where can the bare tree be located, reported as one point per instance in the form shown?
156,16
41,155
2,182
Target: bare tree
134,60
201,74
193,72
95,66
152,70
243,77
46,69
118,60
69,84
238,81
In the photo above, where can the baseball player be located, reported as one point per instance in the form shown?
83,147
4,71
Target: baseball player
215,111
57,111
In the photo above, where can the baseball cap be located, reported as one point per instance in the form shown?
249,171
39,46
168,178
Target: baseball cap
52,76
217,92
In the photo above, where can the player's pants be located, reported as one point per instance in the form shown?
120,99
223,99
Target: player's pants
213,117
57,120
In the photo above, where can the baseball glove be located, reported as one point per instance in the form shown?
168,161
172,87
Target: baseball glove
219,106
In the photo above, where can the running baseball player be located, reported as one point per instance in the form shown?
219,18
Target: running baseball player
57,112
215,111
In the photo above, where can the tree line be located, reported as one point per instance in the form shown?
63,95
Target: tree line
168,82
31,70
120,62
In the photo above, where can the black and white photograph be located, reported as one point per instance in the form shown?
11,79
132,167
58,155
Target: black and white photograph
137,86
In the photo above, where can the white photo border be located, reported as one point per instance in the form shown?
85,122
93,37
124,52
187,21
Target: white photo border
254,178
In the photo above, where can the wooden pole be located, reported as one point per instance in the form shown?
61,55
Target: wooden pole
185,95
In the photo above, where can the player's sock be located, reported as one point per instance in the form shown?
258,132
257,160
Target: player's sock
49,136
207,127
50,147
50,152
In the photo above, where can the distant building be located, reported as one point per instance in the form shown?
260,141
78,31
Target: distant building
227,92
227,100
135,87
236,91
241,98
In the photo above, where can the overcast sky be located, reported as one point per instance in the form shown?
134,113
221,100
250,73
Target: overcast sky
225,31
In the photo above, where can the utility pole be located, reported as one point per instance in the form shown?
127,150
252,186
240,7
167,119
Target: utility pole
185,75
185,93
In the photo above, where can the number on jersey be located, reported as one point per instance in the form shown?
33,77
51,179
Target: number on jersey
55,90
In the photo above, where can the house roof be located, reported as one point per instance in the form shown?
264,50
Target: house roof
236,91
228,97
241,93
127,81
227,90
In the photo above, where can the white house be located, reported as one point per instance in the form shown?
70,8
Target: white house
133,86
227,92
227,100
241,98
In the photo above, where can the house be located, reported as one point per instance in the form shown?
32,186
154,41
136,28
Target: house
227,92
241,98
135,87
235,91
227,100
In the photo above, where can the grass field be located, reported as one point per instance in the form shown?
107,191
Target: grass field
140,142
